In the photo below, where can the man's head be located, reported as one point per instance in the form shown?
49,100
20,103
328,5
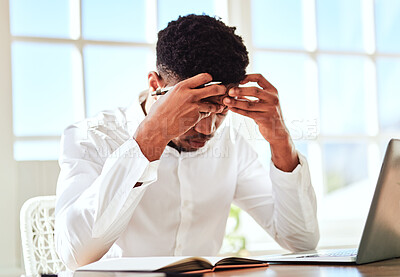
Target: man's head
197,44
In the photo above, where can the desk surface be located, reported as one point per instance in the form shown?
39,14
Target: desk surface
384,268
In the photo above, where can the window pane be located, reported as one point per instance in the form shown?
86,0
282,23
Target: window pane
42,88
122,20
342,99
388,71
344,164
302,147
36,150
171,9
46,18
387,20
339,24
277,24
289,74
114,75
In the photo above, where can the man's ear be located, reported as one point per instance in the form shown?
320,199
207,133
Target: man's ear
155,81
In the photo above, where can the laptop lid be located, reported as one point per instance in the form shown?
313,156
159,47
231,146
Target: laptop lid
381,235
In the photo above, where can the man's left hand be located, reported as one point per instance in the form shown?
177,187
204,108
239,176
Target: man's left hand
267,114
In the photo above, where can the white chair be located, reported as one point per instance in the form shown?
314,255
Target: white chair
37,235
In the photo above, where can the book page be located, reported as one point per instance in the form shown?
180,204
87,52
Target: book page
240,261
131,264
171,264
233,260
192,264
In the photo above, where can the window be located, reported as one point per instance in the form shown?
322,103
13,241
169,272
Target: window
335,63
72,59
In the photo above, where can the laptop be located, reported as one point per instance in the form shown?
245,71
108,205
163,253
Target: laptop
381,235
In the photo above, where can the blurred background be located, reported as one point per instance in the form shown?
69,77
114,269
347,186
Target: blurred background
335,63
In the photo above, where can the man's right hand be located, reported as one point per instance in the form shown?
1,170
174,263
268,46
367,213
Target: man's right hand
175,113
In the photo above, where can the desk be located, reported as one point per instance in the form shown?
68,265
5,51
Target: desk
383,268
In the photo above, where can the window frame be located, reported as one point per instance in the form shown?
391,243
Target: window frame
238,13
374,136
79,43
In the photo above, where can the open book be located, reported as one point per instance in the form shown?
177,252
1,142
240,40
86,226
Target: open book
172,264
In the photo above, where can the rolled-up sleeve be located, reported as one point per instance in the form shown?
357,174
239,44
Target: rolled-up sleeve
295,207
96,196
283,203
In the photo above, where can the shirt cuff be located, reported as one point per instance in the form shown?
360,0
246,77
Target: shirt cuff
289,179
150,173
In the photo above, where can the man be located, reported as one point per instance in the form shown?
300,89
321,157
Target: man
158,178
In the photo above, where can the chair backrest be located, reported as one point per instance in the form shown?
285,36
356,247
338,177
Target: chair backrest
37,235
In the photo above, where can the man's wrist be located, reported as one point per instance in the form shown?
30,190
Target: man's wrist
151,142
284,154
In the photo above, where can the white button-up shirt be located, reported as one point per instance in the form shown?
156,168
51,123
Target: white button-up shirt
184,202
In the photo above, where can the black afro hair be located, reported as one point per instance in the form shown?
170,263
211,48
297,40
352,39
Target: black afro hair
196,44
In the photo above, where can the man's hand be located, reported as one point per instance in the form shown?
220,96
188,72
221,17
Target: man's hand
175,113
267,114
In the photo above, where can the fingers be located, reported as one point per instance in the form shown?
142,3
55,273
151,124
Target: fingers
200,93
251,114
260,80
214,99
198,80
210,108
263,95
248,105
209,91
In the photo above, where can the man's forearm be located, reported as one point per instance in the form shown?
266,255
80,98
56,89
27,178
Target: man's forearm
284,155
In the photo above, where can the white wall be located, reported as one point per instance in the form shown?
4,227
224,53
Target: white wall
8,183
18,180
32,178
